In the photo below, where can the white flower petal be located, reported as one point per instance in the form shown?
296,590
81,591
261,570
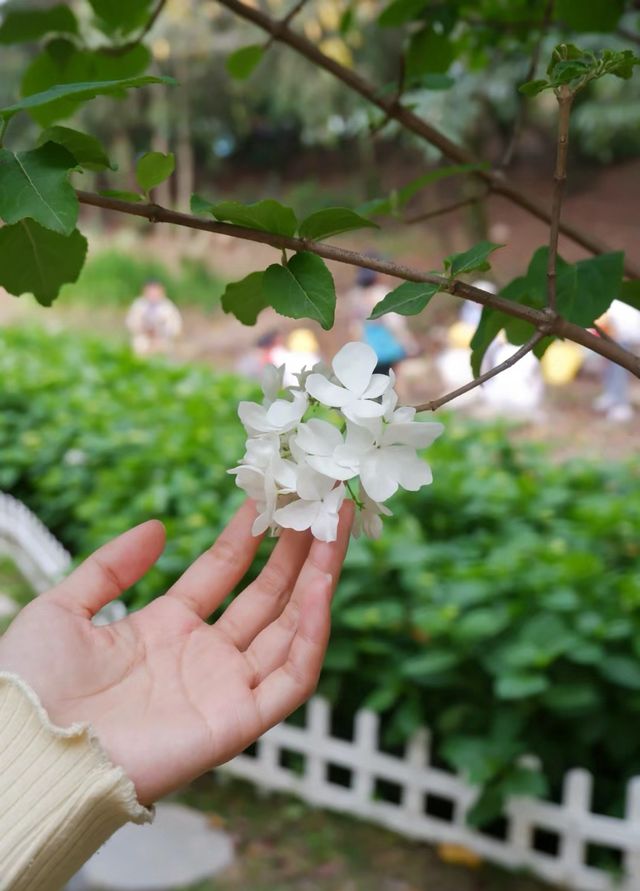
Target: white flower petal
354,365
298,515
414,433
312,485
371,524
325,526
378,385
261,523
378,475
404,414
362,410
285,474
253,417
326,392
283,415
412,471
331,468
333,501
359,438
318,437
272,381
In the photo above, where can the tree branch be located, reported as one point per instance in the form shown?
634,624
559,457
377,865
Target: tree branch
445,208
565,99
289,17
125,47
411,121
539,319
522,99
520,354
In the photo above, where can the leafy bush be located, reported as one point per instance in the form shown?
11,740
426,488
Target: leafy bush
113,277
501,607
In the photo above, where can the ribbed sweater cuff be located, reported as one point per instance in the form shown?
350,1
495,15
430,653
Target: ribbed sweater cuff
60,796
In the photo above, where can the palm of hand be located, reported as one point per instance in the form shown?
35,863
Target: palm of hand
168,695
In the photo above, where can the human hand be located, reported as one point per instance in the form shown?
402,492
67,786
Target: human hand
169,696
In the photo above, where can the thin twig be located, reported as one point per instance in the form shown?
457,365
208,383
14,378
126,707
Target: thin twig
628,35
445,208
603,333
477,382
522,99
565,99
126,47
539,319
412,122
283,23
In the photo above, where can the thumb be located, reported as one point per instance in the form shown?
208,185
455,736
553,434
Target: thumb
110,570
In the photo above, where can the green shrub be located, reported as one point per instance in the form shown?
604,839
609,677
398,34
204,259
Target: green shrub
115,278
501,606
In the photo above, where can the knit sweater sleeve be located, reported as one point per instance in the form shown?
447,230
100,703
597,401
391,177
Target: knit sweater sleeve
60,796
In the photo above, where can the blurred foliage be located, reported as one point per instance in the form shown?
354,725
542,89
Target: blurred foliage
114,278
501,607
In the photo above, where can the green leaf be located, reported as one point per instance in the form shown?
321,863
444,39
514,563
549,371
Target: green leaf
153,168
20,26
303,289
246,299
473,260
62,62
36,185
408,299
243,62
86,149
428,52
491,323
589,15
121,195
598,283
399,12
533,87
80,91
38,261
266,216
198,204
622,670
114,16
332,221
520,686
400,197
630,293
436,82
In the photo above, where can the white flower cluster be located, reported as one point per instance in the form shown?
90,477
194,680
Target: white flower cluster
297,468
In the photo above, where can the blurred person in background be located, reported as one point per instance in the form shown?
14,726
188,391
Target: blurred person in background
389,336
303,352
454,362
153,321
622,323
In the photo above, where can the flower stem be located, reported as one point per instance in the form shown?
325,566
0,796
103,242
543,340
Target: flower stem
354,497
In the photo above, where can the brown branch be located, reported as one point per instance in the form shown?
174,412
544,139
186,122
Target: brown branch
445,208
539,319
412,122
522,99
628,35
520,354
565,99
283,23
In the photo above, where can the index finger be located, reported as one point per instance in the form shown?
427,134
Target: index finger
208,580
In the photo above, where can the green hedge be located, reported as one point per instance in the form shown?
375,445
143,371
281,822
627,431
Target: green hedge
501,605
115,278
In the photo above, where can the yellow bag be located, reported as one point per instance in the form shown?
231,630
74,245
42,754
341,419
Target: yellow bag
561,362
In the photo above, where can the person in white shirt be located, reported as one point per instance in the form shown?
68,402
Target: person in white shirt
622,322
153,321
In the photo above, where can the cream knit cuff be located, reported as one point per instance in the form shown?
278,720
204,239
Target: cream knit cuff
60,796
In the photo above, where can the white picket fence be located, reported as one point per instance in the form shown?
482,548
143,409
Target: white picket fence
419,784
420,787
24,539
